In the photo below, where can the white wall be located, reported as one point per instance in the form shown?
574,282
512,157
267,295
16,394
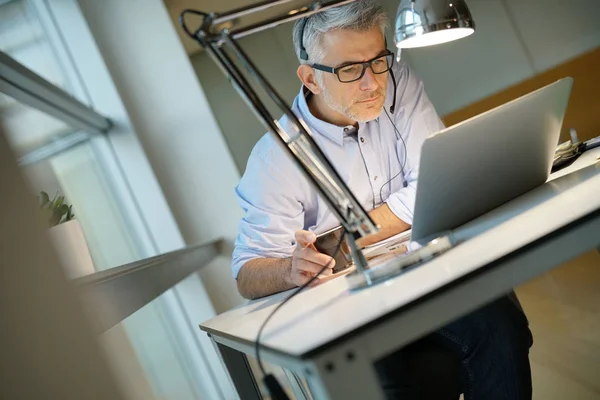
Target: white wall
274,56
555,31
514,40
167,109
462,72
170,113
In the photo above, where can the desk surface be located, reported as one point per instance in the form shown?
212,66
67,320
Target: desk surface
319,315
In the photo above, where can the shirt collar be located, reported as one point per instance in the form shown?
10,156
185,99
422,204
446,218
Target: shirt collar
330,131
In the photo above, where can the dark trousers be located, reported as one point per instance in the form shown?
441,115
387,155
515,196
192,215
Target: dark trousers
484,355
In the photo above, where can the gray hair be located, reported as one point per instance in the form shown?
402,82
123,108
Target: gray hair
360,15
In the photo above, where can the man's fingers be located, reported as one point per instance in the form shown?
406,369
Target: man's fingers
314,257
309,267
302,279
305,238
307,260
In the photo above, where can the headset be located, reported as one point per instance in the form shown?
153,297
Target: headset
304,57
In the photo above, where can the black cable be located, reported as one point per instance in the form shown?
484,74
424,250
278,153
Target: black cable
393,107
403,161
270,381
303,53
182,21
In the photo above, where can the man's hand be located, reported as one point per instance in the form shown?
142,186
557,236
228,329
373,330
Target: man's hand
307,261
389,225
261,277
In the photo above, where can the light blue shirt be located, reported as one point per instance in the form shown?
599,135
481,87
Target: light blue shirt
278,200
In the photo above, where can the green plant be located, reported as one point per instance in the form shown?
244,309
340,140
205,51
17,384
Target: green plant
56,211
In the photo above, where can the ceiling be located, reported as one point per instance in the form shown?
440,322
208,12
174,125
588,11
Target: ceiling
175,7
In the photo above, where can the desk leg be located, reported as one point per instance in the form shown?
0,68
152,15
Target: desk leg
344,374
297,385
239,371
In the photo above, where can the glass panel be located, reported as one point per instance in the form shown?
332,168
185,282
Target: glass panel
28,129
23,38
152,352
77,174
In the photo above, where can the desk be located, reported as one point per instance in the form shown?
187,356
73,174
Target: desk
332,336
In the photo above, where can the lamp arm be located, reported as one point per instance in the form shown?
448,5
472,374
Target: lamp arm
216,38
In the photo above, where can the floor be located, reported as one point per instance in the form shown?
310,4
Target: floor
563,308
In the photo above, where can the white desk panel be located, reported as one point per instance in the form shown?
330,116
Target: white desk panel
320,315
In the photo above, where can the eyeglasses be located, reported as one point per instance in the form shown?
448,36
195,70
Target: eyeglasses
355,71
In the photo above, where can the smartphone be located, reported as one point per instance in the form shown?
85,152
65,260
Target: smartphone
327,243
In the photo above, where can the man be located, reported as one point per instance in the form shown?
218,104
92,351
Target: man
372,133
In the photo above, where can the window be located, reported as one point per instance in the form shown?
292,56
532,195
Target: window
53,135
64,145
27,128
24,38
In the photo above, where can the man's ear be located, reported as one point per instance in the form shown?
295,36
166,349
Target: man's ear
306,73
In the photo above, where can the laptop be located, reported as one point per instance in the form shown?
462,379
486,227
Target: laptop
475,166
469,169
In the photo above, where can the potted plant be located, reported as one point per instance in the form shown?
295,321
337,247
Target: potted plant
66,236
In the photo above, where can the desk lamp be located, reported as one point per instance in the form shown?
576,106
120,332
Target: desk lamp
418,23
421,23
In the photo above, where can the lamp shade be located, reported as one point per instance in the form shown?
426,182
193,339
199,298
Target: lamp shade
421,23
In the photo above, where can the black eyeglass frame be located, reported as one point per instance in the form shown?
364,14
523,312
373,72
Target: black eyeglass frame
367,64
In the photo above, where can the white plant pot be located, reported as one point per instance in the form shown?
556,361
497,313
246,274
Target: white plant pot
71,248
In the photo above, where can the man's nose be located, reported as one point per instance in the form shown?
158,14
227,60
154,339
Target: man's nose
368,82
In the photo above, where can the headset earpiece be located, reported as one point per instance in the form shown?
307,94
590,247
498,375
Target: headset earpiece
303,53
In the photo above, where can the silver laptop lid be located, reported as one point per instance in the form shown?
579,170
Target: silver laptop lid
473,167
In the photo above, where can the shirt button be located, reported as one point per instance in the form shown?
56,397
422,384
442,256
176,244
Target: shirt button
362,139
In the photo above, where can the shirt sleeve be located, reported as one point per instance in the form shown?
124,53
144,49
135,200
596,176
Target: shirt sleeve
269,193
416,119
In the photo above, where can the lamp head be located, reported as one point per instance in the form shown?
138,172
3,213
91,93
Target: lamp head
421,23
